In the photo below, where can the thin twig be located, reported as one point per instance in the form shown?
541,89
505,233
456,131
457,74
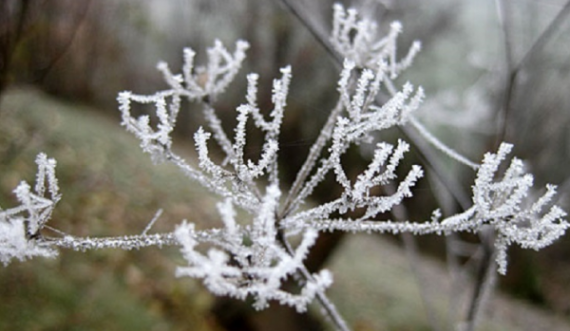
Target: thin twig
433,163
318,34
55,59
327,305
545,37
504,17
484,282
152,221
423,149
8,41
439,145
125,242
448,207
411,247
513,71
311,159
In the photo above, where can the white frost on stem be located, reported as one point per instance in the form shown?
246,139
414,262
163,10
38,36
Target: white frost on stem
249,260
252,257
357,39
20,226
500,203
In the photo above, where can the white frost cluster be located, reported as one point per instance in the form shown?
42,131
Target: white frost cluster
194,83
358,40
20,226
252,261
244,260
504,204
14,243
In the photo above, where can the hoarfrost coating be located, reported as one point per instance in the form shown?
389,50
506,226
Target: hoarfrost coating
254,257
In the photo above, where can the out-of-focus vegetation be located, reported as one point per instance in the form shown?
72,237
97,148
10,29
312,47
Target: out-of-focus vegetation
383,292
109,188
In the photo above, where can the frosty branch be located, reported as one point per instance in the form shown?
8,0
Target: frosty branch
254,257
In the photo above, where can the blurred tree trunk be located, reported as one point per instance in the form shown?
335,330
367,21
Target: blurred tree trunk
12,19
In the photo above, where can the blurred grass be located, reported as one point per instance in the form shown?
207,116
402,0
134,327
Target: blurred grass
109,187
376,288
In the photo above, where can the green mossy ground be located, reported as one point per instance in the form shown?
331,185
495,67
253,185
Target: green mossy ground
109,188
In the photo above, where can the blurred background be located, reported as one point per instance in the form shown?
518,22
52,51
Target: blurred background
492,70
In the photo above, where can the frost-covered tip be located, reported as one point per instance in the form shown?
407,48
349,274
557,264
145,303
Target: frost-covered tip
188,66
14,243
152,141
19,224
36,207
223,66
504,204
46,175
281,87
174,81
357,39
359,102
205,163
251,97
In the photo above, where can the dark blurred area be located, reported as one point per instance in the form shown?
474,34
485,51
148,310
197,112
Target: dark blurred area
67,48
492,70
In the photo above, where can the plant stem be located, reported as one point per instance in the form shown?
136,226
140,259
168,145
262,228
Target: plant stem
329,309
311,159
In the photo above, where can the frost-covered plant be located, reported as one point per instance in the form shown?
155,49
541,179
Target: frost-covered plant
20,226
253,257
